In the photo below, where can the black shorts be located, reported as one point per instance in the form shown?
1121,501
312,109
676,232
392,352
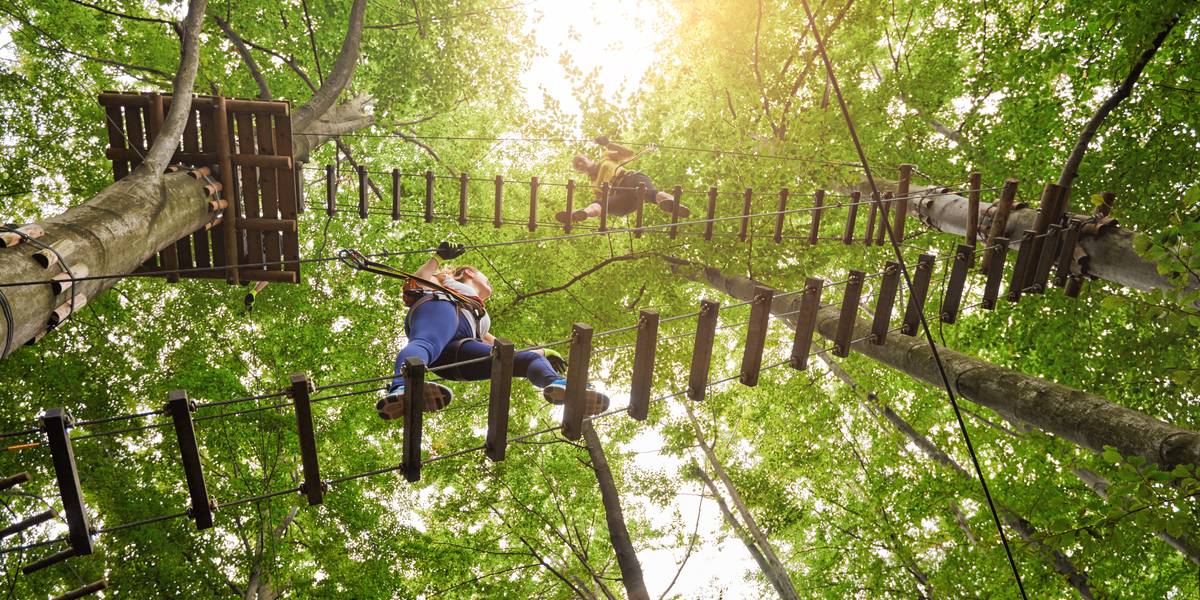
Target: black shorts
623,194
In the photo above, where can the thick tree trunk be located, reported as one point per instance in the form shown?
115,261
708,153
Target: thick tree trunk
618,533
1110,254
1085,419
347,117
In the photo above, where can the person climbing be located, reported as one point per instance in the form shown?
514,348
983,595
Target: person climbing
623,183
451,325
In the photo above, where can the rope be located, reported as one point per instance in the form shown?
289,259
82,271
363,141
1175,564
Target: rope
908,282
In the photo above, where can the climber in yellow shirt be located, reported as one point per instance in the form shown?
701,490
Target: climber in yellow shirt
623,185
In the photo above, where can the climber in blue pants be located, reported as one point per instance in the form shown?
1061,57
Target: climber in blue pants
452,325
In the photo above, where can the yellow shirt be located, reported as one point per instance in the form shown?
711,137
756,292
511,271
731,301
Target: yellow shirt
607,169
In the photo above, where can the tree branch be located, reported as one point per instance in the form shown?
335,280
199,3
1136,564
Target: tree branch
167,138
341,73
558,288
264,91
172,24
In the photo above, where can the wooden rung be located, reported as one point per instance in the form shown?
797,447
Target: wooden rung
330,191
1024,256
643,365
55,423
995,271
464,210
87,590
577,379
1047,214
571,208
499,394
261,224
917,295
849,314
48,561
26,523
884,206
781,215
605,191
756,335
428,196
902,187
746,199
869,238
414,409
884,303
974,182
1066,254
711,214
851,215
533,208
397,194
806,321
362,192
964,257
706,331
999,222
271,276
312,487
676,193
1041,274
498,212
815,230
180,409
15,480
1074,285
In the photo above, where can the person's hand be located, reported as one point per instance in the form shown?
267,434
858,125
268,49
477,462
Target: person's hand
450,250
602,140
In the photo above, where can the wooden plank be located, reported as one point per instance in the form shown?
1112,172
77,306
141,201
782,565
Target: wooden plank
1047,209
206,242
577,378
1066,254
711,214
179,253
253,274
869,238
995,271
885,302
499,394
533,207
276,225
86,590
180,409
902,191
756,335
428,196
362,192
964,257
191,142
1041,273
135,136
55,423
999,221
815,231
1016,285
851,215
780,215
228,231
706,329
244,133
498,212
312,487
849,313
414,409
464,210
643,365
15,480
806,321
677,194
290,201
114,124
917,295
268,185
301,201
746,198
974,182
884,206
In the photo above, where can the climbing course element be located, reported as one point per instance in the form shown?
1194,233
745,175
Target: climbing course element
312,487
706,328
498,399
643,364
248,145
577,380
806,321
756,335
181,408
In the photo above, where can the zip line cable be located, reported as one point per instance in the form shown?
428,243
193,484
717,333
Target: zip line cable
908,282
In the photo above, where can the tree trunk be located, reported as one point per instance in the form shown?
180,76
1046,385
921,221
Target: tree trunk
1110,254
618,533
779,575
1085,419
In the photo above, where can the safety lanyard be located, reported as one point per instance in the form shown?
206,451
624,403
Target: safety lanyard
356,259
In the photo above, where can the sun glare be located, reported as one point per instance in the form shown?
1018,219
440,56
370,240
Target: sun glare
618,38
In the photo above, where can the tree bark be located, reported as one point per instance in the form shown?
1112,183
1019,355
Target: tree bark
1110,254
1183,544
618,533
339,76
123,225
1082,418
779,574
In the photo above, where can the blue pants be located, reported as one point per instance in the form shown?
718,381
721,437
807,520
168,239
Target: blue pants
430,329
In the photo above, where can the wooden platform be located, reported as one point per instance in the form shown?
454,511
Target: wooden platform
249,143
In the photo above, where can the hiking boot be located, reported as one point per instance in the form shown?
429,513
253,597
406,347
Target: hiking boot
669,206
391,406
579,215
594,401
563,217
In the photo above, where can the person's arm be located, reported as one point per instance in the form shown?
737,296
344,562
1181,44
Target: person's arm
429,269
615,151
489,339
